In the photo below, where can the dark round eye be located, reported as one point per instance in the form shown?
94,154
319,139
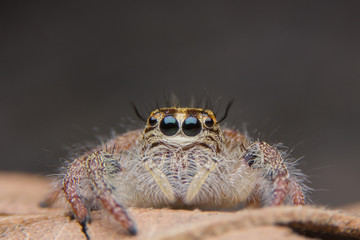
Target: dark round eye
209,122
169,126
152,121
250,158
191,126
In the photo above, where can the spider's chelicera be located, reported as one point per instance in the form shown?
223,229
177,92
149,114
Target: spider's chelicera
182,158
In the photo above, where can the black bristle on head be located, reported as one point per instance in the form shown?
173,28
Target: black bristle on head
227,110
137,112
171,100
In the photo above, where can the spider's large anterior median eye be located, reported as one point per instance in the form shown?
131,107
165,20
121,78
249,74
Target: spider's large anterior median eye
191,126
169,126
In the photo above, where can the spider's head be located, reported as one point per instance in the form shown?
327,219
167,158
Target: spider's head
181,147
181,126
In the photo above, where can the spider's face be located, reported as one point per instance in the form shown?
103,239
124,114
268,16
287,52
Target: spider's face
182,126
181,147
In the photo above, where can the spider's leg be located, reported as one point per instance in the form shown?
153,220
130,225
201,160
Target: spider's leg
269,161
296,192
75,176
104,191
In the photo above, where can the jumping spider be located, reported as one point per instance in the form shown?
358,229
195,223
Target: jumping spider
181,159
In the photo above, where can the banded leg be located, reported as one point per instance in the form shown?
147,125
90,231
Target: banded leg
76,174
98,175
267,159
296,193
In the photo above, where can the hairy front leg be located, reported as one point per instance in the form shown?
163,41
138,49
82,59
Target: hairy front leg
91,171
77,183
269,161
98,175
76,176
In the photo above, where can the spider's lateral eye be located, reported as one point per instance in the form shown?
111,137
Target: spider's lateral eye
169,126
209,122
250,158
191,126
152,121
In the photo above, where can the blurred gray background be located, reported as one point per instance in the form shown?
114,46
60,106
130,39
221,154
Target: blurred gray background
69,70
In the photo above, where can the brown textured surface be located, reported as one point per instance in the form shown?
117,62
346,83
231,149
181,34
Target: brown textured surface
21,218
